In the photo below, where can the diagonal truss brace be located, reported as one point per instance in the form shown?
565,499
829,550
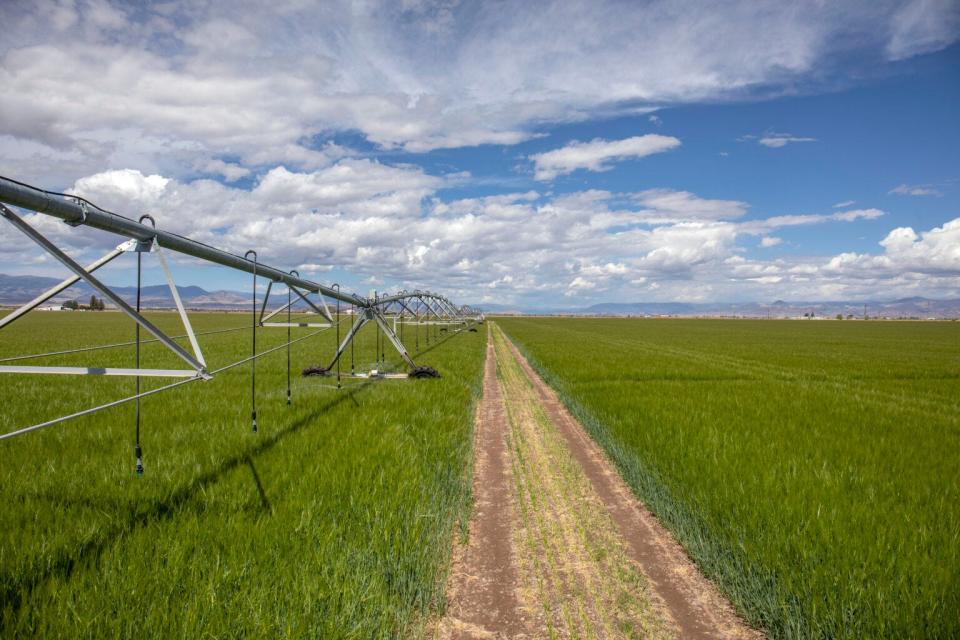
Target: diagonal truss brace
357,325
66,284
323,311
176,299
441,318
404,307
198,367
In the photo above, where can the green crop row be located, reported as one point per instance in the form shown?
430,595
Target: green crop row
335,520
811,469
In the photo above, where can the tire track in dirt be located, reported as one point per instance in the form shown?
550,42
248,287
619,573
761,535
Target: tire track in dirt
559,546
696,605
564,526
481,591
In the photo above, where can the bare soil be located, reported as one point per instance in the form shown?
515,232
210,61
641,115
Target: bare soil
481,593
559,546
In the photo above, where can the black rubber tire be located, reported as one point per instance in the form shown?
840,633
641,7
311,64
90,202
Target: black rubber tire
424,372
315,370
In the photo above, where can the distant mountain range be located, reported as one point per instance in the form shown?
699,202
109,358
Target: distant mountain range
915,307
15,290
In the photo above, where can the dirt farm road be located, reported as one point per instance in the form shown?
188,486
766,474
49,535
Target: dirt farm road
558,545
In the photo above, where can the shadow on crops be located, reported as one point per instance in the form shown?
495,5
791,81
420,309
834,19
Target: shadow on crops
264,501
65,501
66,562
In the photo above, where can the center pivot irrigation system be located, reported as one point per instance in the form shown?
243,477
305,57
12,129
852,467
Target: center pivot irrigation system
389,313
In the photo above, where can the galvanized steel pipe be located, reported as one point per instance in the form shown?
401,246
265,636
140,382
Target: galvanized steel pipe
76,212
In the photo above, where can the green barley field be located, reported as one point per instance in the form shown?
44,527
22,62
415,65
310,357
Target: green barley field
812,469
334,521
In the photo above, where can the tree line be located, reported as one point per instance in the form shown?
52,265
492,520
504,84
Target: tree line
95,304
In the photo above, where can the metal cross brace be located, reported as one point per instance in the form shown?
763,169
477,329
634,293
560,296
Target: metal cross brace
198,367
66,284
324,311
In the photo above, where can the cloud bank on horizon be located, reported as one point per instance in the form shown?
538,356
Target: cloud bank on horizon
500,153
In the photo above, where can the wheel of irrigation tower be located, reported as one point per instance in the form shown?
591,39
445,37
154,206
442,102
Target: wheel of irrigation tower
315,370
424,372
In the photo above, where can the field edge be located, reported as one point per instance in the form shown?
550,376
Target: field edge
713,559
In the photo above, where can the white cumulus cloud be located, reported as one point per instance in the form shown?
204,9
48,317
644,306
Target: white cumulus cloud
381,221
935,252
165,87
597,154
922,26
778,140
670,205
915,190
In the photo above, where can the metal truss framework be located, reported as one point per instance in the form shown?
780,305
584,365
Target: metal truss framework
389,313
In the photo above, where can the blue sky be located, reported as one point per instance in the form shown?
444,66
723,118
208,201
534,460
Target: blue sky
537,154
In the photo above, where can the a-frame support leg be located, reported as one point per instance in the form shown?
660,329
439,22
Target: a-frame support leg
357,325
365,316
392,337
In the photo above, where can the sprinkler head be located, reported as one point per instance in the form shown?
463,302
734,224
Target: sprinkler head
139,455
